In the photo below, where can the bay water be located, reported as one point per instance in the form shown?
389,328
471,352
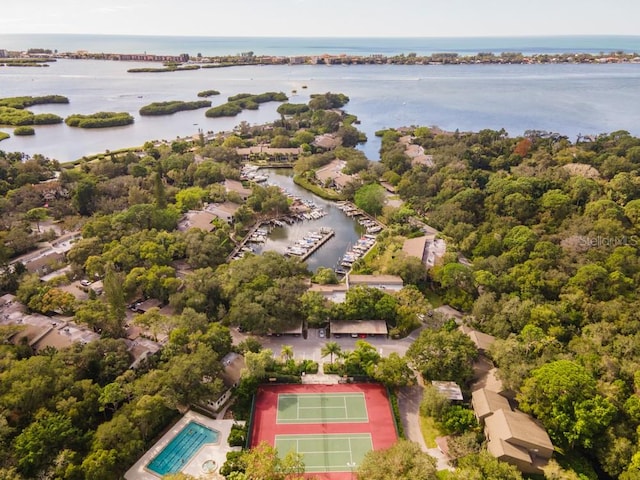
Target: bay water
570,99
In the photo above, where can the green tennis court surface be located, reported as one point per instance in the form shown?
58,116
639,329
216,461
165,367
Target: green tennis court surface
327,453
321,408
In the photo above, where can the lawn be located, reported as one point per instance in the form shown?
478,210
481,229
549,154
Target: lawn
430,431
433,297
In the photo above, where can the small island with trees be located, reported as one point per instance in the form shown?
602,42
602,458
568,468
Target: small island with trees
208,93
244,101
168,108
99,120
13,110
165,69
29,101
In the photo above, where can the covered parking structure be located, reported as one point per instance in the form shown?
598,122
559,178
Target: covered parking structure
370,328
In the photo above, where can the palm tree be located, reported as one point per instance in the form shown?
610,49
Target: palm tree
331,348
286,352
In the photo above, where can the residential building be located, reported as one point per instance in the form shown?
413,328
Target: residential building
237,187
326,142
427,248
233,364
482,341
512,436
336,293
225,211
331,175
197,219
266,152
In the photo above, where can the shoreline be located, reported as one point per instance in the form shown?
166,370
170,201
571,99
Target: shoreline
185,62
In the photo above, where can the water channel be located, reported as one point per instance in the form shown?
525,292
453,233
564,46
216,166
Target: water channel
347,230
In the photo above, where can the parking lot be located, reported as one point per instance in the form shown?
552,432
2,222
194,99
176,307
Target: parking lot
309,348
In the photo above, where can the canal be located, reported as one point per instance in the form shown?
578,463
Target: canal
347,230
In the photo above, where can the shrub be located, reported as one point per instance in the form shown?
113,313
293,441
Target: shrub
237,435
234,463
24,131
458,419
396,413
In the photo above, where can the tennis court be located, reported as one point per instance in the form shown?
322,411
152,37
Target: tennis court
331,426
322,408
326,453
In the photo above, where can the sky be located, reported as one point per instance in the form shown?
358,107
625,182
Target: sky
323,18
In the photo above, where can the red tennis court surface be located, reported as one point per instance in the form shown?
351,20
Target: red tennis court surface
380,424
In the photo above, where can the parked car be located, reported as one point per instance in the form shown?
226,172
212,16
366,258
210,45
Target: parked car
322,333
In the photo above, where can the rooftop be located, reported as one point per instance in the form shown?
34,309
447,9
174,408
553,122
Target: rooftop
451,390
485,402
369,327
197,219
517,427
374,280
416,247
228,208
482,340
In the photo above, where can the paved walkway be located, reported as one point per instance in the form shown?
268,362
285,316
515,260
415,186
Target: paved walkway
409,399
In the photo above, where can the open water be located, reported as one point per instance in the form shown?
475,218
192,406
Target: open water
210,46
568,99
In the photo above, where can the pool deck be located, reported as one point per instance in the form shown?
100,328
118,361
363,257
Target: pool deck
217,452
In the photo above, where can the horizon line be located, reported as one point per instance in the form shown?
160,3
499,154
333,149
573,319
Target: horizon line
533,35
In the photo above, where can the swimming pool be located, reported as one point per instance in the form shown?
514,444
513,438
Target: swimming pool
181,448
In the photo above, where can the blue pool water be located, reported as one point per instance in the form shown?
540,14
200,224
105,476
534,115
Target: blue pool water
181,448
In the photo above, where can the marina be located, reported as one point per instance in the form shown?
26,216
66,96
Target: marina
284,231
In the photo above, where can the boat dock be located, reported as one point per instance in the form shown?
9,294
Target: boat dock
306,247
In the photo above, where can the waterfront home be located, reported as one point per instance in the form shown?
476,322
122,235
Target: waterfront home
225,211
331,175
326,142
265,152
416,152
427,248
237,187
197,219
